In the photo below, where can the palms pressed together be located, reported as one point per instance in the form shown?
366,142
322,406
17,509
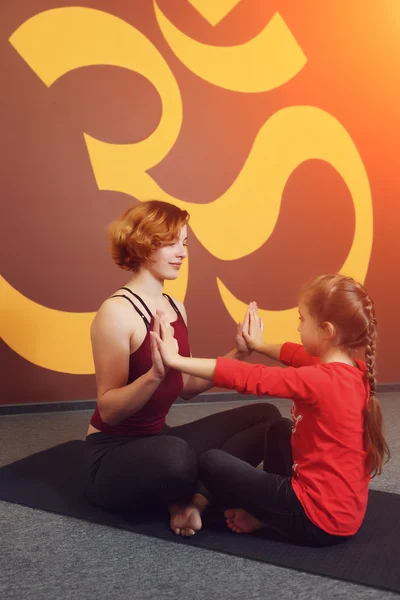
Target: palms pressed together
186,520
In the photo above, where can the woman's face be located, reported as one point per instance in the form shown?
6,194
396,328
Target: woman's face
166,261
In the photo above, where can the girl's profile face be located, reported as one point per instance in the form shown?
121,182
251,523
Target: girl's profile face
166,261
311,334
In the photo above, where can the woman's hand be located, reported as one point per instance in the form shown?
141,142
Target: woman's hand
253,328
164,345
158,370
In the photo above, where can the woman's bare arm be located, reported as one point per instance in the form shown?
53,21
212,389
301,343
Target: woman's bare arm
111,351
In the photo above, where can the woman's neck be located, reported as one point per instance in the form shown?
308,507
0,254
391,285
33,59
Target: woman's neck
145,284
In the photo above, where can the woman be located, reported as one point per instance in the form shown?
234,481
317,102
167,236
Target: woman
136,460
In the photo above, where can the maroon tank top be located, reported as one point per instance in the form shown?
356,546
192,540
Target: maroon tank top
150,419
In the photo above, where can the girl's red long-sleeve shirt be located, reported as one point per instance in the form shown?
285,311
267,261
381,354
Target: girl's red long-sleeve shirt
329,461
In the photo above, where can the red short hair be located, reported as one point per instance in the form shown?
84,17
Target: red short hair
142,229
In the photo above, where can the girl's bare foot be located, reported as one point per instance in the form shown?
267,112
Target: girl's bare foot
185,520
240,521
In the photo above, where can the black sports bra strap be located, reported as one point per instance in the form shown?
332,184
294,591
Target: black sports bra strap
139,298
172,303
146,322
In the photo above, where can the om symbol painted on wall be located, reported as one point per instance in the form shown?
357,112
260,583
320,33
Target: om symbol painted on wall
57,41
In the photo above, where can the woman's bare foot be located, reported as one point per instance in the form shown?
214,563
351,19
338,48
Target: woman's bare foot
185,520
240,521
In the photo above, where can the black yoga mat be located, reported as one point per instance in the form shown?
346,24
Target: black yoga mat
52,480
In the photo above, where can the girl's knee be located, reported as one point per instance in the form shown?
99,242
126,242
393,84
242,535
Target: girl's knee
218,470
265,411
281,427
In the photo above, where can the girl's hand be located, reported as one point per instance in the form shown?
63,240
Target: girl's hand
163,338
241,345
253,333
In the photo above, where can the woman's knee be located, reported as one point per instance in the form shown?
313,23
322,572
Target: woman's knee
162,458
177,460
177,472
212,461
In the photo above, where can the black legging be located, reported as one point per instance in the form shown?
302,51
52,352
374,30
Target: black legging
125,473
266,494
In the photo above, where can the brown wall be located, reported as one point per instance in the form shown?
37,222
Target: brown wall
57,205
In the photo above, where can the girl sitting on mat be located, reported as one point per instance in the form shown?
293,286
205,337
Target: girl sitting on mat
314,485
135,460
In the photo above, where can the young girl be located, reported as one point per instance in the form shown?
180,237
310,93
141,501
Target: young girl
314,486
135,461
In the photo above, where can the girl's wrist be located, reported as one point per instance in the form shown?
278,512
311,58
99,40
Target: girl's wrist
242,355
176,362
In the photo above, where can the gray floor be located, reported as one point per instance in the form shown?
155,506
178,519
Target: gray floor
50,557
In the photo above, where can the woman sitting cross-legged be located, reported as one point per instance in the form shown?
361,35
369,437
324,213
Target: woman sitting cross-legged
135,461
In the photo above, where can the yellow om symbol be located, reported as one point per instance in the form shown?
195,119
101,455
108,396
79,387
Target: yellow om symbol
57,41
